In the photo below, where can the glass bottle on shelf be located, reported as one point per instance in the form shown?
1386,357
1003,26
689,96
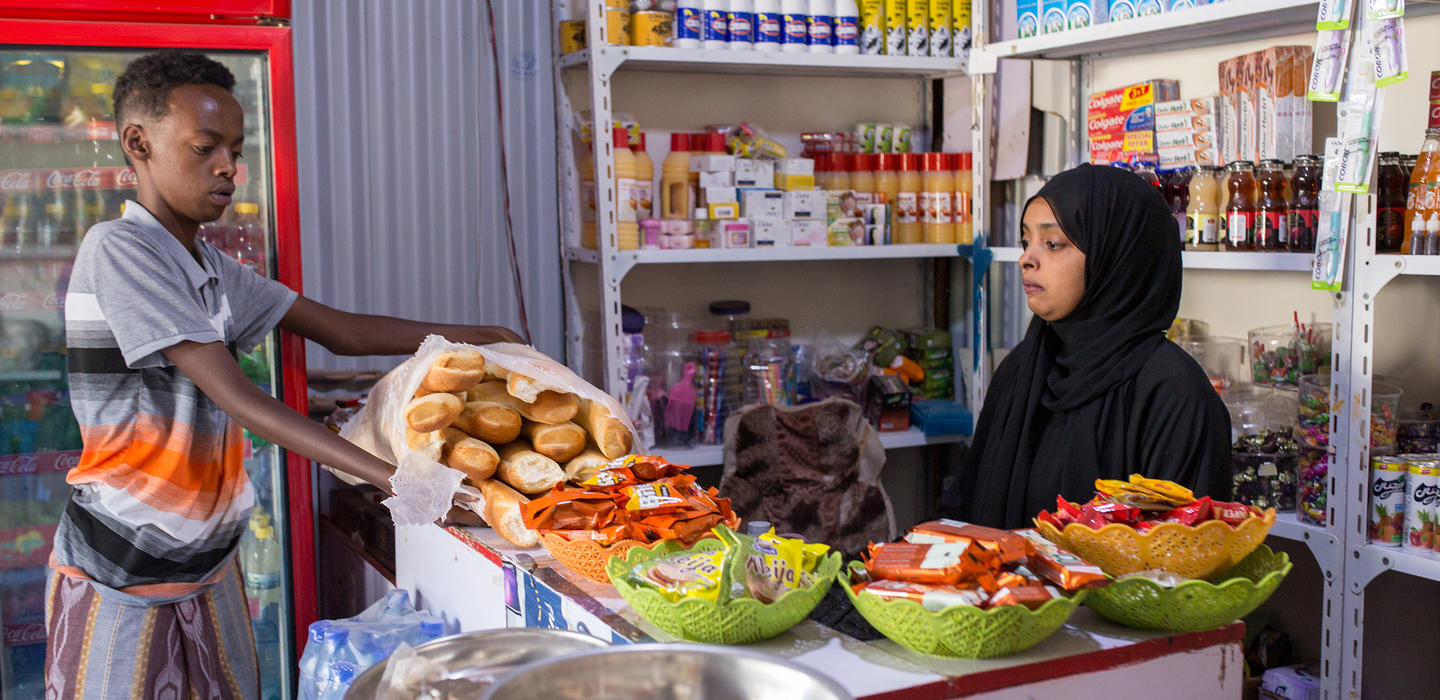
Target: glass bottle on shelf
1304,211
1240,206
1271,225
1392,186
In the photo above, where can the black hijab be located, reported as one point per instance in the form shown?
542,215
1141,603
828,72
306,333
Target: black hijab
1061,410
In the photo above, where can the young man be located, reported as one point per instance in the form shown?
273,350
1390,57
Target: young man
146,599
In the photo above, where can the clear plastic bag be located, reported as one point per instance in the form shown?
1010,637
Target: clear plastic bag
338,651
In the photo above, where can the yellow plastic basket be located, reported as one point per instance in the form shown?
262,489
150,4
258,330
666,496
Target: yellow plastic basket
735,621
1193,551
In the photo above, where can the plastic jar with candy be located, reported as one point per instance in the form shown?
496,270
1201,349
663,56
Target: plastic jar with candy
1281,354
1418,431
1312,428
1310,487
1384,416
1264,463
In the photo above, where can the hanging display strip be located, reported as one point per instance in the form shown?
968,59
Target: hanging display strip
104,178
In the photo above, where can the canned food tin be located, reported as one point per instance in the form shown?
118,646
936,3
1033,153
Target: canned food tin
617,23
1387,500
1422,505
651,28
572,35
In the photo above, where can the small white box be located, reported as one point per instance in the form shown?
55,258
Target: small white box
1175,139
718,195
1174,122
724,210
771,231
808,232
761,202
1172,107
731,234
712,164
717,178
795,166
754,172
804,205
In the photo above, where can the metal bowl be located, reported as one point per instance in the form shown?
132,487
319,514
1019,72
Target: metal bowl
666,672
473,661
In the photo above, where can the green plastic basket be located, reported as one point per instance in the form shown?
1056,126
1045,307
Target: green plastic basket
737,621
961,631
1196,605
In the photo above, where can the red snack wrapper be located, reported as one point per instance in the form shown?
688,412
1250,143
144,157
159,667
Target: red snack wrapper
1232,513
1029,596
934,597
1046,517
1189,514
1060,567
1114,512
1065,511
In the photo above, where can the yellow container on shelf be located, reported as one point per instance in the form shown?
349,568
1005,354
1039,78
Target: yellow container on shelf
572,35
651,28
617,23
794,182
618,4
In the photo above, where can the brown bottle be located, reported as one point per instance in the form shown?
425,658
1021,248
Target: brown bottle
1271,227
1240,206
1393,185
1304,211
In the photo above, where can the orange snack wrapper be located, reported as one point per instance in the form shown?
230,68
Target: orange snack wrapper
1011,548
1061,568
1029,596
629,471
933,597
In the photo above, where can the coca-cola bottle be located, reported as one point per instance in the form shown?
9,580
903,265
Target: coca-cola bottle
54,225
18,221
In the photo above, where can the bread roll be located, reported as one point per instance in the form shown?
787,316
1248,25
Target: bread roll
476,459
433,412
454,370
550,407
490,421
431,444
527,470
585,465
516,384
608,432
561,443
502,512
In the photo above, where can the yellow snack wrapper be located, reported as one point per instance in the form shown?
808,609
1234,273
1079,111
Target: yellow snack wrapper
778,565
1174,491
687,575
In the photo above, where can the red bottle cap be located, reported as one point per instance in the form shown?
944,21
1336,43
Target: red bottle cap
621,137
640,146
841,162
864,162
909,161
886,161
934,162
822,162
714,143
967,161
679,142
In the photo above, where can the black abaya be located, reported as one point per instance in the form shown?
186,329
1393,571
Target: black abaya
1100,393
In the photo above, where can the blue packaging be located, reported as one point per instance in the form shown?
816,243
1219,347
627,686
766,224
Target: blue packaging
821,29
716,28
846,31
797,30
687,23
1027,15
1182,4
1052,16
1146,8
1083,13
740,26
941,417
769,27
1122,10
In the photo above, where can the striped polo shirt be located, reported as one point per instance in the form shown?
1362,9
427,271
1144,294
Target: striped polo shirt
160,495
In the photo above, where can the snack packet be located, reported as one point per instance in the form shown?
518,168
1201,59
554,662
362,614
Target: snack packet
687,575
1059,566
630,470
933,597
1010,548
1032,596
776,565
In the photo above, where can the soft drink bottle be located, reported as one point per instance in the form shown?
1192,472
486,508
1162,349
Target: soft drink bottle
262,572
249,237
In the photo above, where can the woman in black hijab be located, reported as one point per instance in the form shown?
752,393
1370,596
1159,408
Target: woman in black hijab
1095,391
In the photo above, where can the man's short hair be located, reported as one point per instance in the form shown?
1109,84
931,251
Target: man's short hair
142,90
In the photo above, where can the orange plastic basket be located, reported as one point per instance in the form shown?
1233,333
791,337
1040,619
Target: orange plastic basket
585,557
1193,551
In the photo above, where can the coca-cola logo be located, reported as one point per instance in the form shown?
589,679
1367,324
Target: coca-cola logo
1386,488
12,301
1426,494
127,178
67,461
53,301
16,181
88,179
20,464
29,633
57,180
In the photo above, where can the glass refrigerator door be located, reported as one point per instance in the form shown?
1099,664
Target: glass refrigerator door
61,171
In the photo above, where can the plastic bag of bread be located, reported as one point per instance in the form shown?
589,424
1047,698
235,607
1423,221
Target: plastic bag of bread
462,406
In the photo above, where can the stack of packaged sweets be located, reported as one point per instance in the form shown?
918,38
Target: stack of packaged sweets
930,348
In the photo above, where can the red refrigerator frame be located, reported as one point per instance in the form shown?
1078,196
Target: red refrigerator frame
144,32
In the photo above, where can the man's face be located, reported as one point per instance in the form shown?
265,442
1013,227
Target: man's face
190,154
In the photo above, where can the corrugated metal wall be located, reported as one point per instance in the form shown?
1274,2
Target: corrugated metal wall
402,209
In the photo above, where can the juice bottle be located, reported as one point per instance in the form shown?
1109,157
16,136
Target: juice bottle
1202,215
627,232
645,181
964,184
1424,179
1175,185
862,177
1240,206
822,170
1304,211
588,237
907,200
1392,186
937,190
1271,229
887,183
839,172
675,199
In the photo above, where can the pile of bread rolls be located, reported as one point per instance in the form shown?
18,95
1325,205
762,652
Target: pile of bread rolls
511,438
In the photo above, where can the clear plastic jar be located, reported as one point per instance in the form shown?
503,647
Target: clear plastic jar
713,353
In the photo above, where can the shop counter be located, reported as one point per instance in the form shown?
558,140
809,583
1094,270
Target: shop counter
476,580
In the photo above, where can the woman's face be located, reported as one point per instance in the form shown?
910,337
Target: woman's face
1052,268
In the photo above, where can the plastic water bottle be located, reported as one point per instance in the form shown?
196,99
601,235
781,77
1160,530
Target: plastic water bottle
821,26
342,674
430,629
311,661
249,232
716,29
795,37
267,654
769,25
262,572
846,29
740,20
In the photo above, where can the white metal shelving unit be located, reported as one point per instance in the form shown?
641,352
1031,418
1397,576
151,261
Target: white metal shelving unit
601,62
1341,548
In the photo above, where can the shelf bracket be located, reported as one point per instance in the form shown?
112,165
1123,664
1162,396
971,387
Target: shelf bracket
1364,565
982,62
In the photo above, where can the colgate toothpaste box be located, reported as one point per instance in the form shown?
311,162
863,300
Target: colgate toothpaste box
1126,116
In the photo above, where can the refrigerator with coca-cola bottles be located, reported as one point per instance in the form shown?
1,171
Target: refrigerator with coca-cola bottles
61,171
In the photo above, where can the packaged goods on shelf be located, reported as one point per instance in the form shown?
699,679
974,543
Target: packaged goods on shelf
1121,122
1185,132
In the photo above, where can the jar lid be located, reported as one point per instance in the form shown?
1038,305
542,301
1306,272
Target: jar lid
712,336
730,307
631,321
680,142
